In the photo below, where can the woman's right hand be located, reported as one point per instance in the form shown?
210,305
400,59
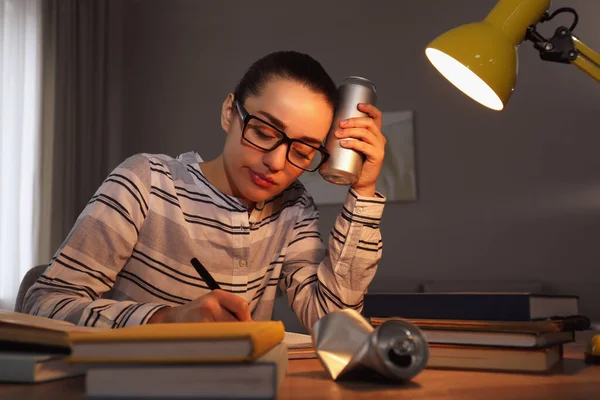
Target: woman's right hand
216,306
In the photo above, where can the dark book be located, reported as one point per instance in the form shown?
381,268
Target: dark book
556,324
469,306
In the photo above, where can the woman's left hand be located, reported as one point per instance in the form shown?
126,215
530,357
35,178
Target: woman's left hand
370,142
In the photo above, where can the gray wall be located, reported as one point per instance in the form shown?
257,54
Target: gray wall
503,197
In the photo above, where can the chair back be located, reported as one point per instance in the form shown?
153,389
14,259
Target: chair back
28,280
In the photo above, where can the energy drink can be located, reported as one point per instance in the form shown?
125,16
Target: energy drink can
344,165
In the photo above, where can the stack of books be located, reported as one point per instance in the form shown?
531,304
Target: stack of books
485,331
35,349
199,360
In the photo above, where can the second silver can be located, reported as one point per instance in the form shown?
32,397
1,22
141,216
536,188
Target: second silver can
344,165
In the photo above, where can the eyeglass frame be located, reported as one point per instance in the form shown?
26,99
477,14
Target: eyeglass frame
247,117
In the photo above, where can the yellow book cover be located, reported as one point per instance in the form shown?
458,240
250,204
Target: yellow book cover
178,343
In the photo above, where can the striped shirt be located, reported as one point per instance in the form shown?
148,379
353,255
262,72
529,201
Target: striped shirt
129,251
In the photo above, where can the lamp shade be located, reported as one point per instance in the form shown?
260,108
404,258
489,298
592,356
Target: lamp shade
481,58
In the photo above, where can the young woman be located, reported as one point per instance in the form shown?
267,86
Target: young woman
243,215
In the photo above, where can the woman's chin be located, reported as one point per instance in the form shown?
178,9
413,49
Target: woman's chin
257,196
258,199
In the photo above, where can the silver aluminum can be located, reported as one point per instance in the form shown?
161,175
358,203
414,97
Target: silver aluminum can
346,344
344,165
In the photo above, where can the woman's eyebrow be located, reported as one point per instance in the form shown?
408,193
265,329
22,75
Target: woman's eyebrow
281,126
273,119
308,139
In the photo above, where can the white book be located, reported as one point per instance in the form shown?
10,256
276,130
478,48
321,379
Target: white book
260,379
31,368
493,358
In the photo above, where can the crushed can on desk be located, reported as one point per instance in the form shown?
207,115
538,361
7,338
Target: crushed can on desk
344,341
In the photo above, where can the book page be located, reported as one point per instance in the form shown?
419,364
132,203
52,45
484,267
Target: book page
27,320
297,340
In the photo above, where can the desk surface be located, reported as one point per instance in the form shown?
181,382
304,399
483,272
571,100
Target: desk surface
574,380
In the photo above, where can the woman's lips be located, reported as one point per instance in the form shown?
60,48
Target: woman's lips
261,180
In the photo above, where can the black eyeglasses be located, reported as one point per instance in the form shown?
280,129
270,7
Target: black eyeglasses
267,137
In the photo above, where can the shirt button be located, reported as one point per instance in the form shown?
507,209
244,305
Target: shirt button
243,263
358,210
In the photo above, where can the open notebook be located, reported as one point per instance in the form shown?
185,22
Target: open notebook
299,345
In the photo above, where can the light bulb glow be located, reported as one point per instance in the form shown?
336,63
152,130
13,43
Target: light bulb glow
464,79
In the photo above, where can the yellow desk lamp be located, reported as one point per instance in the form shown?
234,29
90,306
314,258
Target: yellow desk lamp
481,58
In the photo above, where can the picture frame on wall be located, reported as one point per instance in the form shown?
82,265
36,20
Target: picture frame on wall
397,181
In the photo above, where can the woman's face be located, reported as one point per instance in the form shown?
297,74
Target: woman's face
255,175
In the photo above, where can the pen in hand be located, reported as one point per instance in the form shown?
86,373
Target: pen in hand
215,306
224,306
204,274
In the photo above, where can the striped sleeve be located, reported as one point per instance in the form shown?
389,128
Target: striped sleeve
320,279
87,263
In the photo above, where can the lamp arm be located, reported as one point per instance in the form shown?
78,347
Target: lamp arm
564,47
587,59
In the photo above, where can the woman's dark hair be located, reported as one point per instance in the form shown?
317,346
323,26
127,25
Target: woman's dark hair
291,65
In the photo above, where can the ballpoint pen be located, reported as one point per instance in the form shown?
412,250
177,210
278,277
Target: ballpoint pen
204,274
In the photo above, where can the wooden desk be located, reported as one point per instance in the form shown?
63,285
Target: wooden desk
574,380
